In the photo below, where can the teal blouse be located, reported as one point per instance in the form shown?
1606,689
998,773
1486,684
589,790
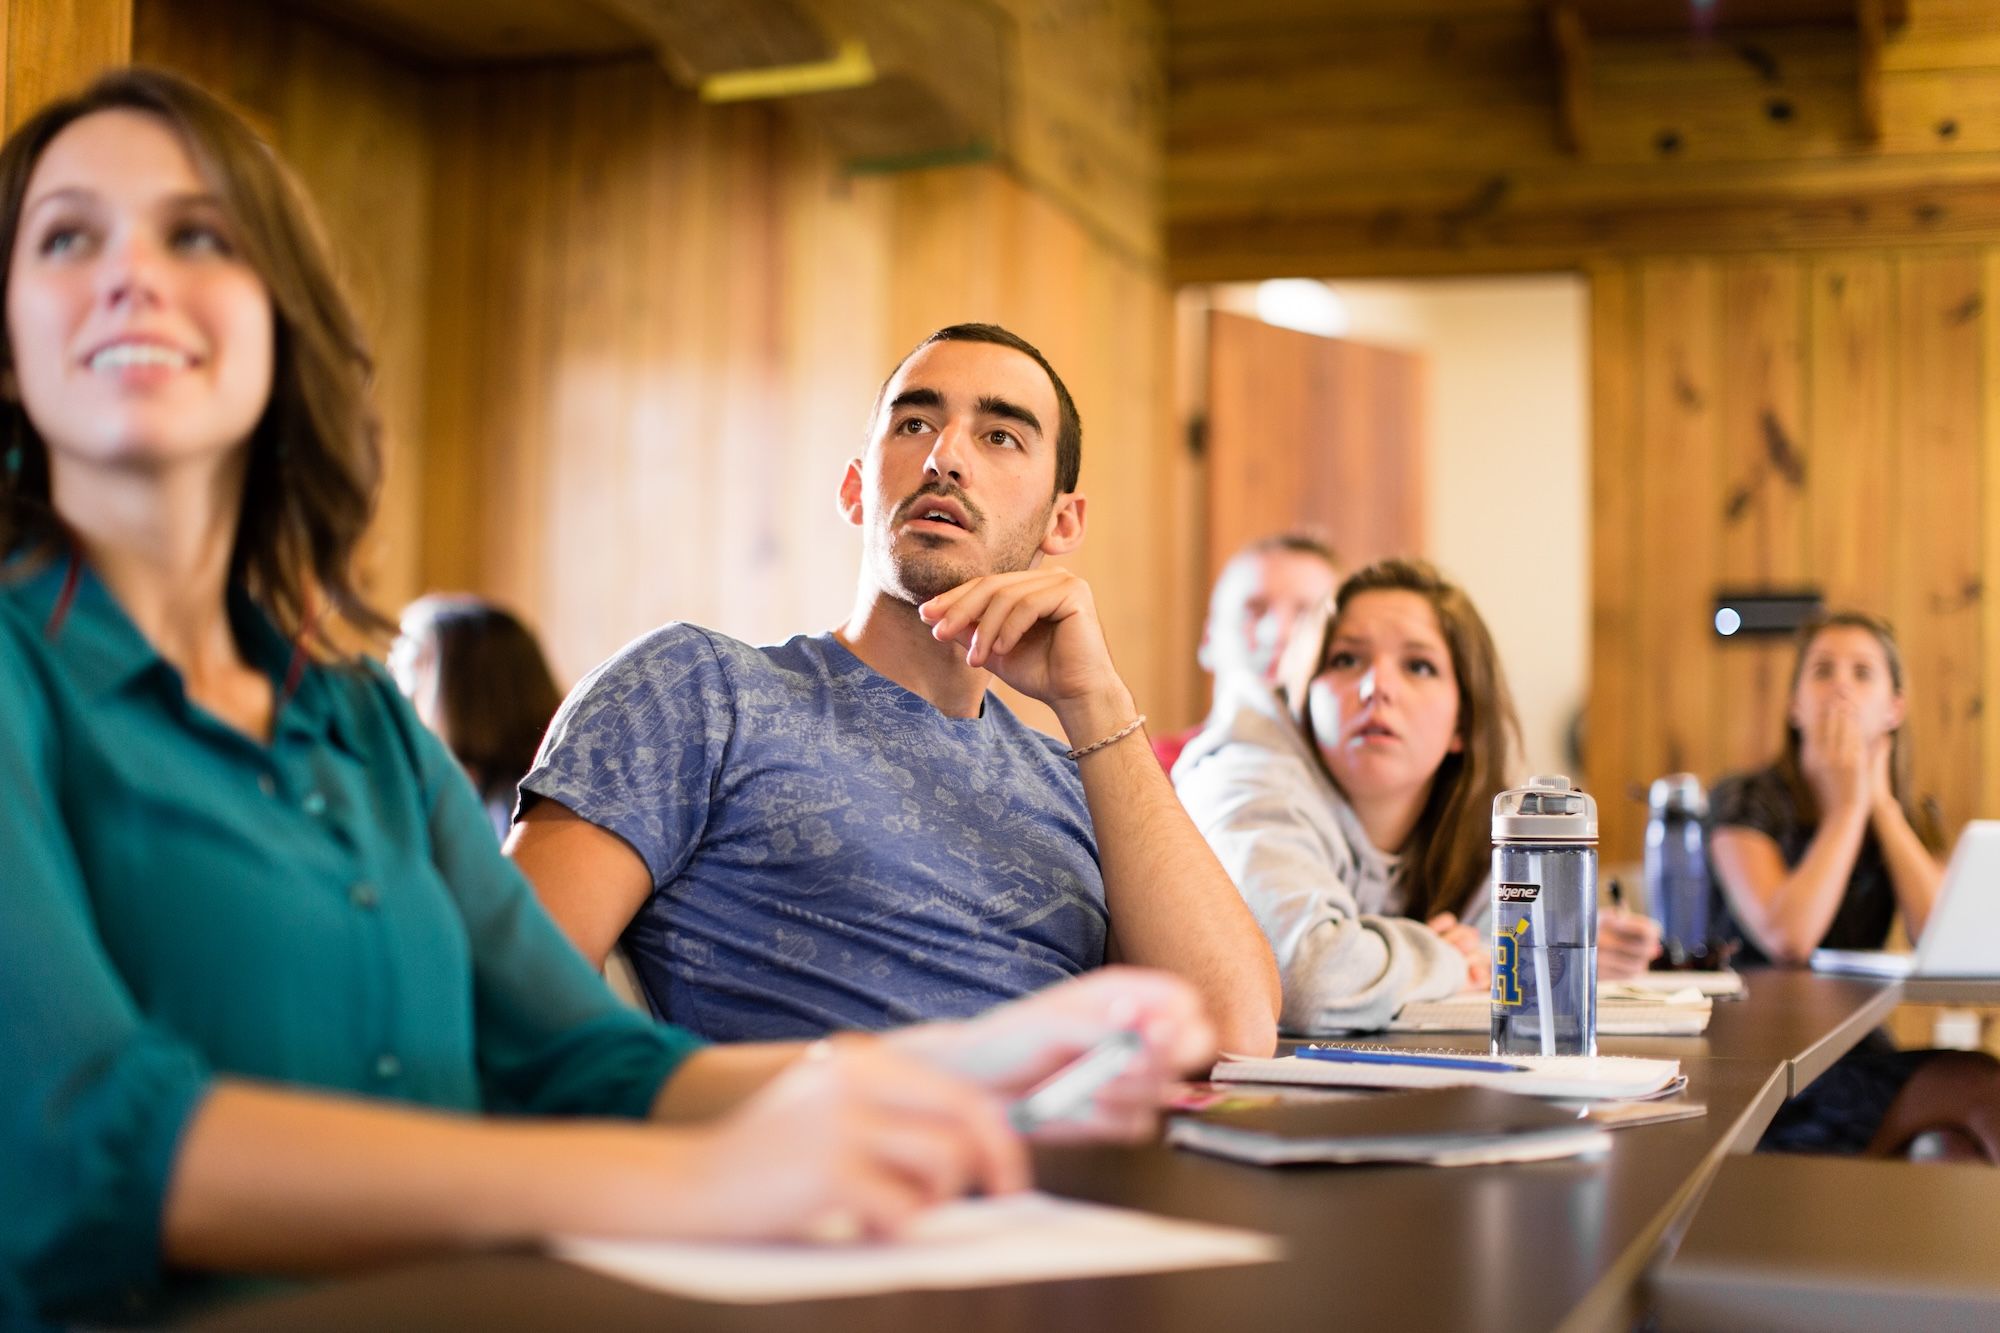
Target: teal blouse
179,902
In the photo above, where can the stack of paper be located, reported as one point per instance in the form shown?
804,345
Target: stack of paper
1623,1010
1582,1077
1716,985
1028,1237
1444,1127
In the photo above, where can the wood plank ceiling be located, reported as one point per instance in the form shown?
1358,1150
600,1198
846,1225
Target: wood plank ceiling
1067,95
1345,137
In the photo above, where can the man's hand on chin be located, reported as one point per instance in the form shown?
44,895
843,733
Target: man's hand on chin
1037,630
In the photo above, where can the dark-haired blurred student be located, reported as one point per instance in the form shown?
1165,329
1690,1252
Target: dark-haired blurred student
477,677
1823,848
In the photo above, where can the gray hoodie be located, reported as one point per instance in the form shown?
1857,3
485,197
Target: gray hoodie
1328,901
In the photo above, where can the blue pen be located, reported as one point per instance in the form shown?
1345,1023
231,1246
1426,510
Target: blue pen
1361,1055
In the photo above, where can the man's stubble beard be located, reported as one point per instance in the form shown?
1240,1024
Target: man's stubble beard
925,569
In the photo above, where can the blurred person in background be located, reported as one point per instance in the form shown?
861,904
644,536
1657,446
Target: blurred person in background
1823,847
478,679
1260,595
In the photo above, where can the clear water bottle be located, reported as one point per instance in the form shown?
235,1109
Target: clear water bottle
1677,883
1544,920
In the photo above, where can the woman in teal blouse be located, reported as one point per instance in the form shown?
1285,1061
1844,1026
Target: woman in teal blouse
270,998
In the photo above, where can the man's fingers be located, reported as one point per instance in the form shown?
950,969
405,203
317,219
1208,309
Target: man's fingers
1003,610
969,602
1014,627
936,608
951,613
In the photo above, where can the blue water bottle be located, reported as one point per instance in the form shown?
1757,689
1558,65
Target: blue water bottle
1677,883
1544,920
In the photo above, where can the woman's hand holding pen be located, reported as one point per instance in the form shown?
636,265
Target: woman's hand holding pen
850,1141
1010,1049
1627,942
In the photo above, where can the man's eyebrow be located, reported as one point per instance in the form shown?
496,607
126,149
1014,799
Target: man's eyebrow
990,406
917,398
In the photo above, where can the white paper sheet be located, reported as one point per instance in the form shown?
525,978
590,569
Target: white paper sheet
977,1243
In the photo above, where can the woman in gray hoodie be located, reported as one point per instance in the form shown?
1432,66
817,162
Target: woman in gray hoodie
1351,805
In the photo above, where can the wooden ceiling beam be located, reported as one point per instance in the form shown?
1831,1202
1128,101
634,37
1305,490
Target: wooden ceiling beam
1872,33
1642,18
1572,43
699,39
1486,235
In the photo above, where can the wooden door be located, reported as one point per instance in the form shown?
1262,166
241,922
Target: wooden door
1312,432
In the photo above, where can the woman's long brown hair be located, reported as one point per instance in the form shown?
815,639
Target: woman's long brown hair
315,455
495,694
1923,816
1450,851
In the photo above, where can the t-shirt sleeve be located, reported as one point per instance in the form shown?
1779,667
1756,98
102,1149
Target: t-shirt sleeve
1756,801
637,746
94,1099
550,1036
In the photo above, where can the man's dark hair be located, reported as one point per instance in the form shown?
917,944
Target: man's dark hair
1069,425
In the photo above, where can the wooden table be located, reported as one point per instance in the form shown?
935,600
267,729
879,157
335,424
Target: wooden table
1526,1246
1834,1244
1971,992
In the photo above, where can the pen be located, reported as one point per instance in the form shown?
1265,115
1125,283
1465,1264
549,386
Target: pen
1361,1055
1065,1093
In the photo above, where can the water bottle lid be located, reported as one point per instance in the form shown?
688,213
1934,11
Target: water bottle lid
1547,809
1678,793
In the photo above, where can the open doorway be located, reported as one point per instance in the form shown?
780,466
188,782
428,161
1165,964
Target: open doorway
1487,381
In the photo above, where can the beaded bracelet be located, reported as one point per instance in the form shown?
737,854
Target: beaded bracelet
1112,739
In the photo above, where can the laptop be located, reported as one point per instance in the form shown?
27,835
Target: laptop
1963,937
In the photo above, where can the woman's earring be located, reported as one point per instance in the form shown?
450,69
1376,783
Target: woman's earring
13,463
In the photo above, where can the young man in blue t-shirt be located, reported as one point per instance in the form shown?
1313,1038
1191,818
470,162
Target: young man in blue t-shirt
848,830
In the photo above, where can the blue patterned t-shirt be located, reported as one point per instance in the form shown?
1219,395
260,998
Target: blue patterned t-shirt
827,849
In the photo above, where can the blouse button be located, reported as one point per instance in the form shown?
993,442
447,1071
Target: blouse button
314,803
387,1066
267,784
364,896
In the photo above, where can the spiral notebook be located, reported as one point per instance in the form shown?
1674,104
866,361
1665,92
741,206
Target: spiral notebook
1578,1077
1438,1127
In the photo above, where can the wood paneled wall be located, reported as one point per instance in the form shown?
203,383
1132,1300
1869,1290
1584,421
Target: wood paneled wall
54,46
628,341
658,329
1831,420
355,125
